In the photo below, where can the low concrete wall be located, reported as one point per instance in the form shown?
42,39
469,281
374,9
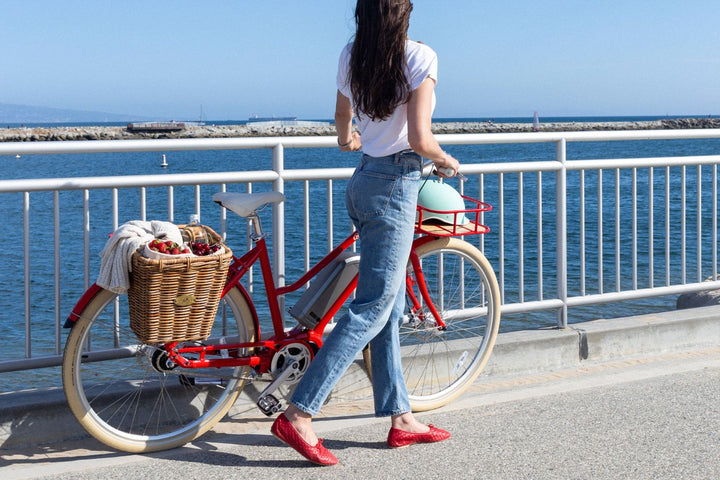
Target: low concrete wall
42,416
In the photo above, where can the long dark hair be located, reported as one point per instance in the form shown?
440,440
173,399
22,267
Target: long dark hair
377,59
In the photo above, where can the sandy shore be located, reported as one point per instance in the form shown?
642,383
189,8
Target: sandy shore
226,131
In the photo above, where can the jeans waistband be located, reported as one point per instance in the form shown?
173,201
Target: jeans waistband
401,157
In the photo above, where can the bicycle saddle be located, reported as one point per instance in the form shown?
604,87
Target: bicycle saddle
246,204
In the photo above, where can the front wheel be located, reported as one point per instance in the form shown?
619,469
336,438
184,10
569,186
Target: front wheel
129,396
439,363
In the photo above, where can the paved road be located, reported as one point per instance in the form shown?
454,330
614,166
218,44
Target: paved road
650,418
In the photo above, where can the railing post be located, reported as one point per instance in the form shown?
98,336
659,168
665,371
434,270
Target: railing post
278,162
86,238
56,257
561,229
26,270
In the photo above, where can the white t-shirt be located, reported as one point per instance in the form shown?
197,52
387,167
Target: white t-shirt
385,137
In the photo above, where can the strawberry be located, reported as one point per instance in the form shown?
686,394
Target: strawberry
167,247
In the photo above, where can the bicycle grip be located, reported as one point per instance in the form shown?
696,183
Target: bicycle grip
447,171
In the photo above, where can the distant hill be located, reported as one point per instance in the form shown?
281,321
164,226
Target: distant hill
13,113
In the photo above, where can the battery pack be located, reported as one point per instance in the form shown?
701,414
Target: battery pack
328,285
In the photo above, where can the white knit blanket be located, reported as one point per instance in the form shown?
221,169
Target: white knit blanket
117,255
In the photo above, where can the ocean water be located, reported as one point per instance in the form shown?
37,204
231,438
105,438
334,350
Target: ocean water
41,280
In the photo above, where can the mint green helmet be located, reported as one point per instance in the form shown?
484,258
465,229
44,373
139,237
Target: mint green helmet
441,197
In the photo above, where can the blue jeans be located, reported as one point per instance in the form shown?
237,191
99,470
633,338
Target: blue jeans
381,199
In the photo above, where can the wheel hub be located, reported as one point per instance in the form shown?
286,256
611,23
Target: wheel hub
424,325
161,362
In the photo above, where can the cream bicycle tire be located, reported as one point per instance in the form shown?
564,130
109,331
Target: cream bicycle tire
106,396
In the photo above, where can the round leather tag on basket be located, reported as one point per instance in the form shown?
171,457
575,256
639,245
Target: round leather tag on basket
184,300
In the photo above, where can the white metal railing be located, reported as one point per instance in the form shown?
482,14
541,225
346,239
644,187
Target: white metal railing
565,276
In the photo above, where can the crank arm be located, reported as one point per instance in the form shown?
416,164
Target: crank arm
267,402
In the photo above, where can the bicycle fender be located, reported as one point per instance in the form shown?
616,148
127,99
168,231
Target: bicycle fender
248,299
423,240
81,304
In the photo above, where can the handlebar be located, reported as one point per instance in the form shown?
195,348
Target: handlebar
444,170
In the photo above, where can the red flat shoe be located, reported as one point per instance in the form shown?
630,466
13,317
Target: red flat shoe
285,432
400,438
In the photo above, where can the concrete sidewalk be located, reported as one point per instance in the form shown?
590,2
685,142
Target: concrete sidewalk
672,357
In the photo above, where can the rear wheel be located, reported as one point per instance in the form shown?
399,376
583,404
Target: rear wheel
440,363
129,396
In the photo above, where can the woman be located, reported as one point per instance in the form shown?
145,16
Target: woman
388,81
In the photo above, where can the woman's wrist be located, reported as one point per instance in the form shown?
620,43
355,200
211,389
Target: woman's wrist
351,145
443,159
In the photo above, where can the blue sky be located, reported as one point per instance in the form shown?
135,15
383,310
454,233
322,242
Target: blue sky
278,57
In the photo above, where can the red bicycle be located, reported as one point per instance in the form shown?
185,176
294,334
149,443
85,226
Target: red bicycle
140,397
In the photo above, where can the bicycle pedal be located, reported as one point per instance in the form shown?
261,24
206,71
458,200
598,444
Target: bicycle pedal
269,405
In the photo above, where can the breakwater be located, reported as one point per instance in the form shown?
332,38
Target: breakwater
39,134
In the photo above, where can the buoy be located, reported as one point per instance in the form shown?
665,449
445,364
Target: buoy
164,163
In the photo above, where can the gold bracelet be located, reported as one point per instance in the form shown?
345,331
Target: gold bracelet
343,145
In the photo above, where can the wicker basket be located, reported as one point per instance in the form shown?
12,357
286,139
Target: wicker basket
175,300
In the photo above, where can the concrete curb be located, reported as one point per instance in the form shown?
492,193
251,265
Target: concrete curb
542,350
42,417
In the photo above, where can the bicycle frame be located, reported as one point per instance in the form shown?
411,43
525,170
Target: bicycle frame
240,266
263,350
